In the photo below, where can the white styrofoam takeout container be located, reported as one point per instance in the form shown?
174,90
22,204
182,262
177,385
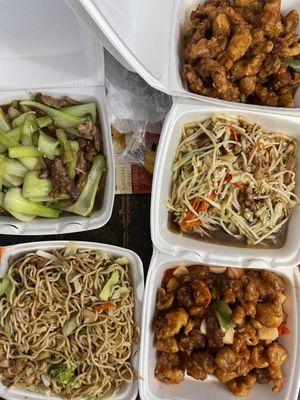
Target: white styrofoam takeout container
169,242
45,47
190,389
128,391
146,34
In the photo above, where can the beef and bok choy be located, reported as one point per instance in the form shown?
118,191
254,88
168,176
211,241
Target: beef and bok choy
233,179
51,157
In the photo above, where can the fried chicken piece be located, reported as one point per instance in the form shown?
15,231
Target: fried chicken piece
164,300
193,34
270,67
185,297
250,15
226,359
225,376
251,291
168,368
200,364
259,358
237,22
288,46
221,25
238,46
215,334
245,336
281,79
248,67
252,4
247,85
242,386
270,314
238,316
195,83
262,375
265,97
171,324
259,43
270,20
192,341
277,356
168,345
205,48
232,290
274,280
291,21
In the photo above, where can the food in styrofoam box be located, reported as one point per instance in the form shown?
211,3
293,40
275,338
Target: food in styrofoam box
81,328
225,324
233,181
243,51
197,338
51,157
165,233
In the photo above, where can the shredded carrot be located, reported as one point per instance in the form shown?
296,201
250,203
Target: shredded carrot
257,144
233,134
283,330
239,185
2,250
198,205
105,306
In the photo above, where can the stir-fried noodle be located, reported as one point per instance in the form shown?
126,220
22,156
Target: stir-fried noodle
67,324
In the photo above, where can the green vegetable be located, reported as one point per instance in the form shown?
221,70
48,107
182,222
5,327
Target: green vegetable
13,112
21,118
12,171
47,145
27,140
43,355
72,165
42,122
76,385
112,280
224,314
60,119
62,374
7,289
81,110
15,202
118,293
70,326
24,152
85,203
65,146
4,125
7,141
33,186
291,62
49,199
16,133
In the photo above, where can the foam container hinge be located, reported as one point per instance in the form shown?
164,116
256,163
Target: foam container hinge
207,252
129,390
147,35
190,389
45,47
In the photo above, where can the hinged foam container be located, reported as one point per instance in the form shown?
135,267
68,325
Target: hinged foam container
173,243
147,36
129,390
211,388
45,47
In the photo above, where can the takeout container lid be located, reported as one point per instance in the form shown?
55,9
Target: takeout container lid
129,390
147,36
190,389
167,241
45,47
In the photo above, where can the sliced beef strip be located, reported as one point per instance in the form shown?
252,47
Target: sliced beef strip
60,181
88,129
55,103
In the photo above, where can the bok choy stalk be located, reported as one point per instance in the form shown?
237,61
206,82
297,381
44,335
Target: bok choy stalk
13,111
30,115
12,171
111,281
19,216
30,161
47,145
72,165
15,201
85,203
65,146
81,110
24,152
60,119
33,186
4,124
37,190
